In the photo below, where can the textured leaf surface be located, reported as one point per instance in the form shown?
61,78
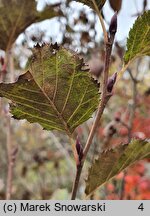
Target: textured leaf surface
55,92
112,162
16,16
138,43
100,3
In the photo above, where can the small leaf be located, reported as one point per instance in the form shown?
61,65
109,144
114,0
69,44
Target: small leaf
55,92
138,43
112,162
16,16
100,3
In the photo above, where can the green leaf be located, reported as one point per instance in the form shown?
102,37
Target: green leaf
112,162
16,16
56,92
138,43
100,3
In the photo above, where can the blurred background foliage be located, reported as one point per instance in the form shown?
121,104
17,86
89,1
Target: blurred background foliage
44,167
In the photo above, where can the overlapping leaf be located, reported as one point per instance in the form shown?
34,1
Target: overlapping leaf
113,161
99,3
138,43
16,16
55,92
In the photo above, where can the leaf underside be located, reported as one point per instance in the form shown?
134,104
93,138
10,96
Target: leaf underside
100,3
55,92
16,16
138,43
112,162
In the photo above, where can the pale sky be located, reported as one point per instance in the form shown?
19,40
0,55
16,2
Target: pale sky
125,19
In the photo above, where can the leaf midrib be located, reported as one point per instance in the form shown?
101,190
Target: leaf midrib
67,129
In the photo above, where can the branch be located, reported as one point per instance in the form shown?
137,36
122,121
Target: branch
104,99
11,150
76,182
101,21
11,154
10,164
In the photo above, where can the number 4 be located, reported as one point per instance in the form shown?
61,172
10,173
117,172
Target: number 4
141,207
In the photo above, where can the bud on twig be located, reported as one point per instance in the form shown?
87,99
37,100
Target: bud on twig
79,151
113,25
14,154
144,5
111,82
